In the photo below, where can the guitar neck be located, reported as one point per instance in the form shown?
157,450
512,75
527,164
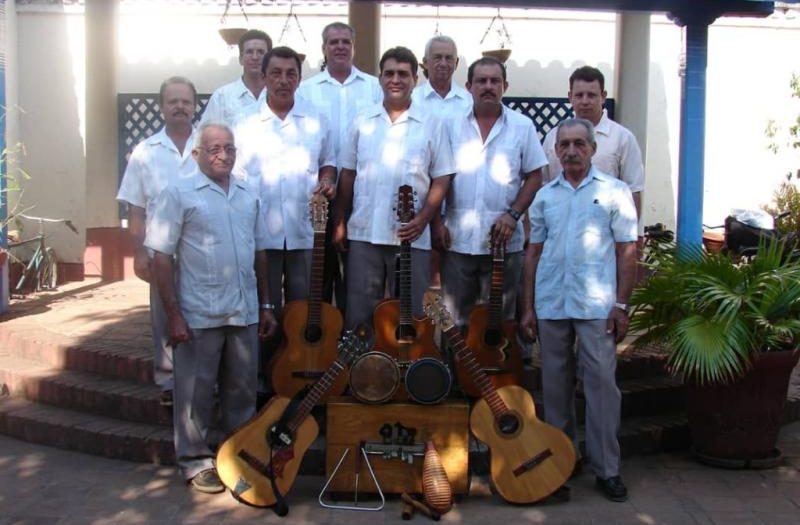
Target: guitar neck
404,281
315,288
478,376
496,293
317,391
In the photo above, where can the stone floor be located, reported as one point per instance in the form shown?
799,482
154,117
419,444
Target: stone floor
42,485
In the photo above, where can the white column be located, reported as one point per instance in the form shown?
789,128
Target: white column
101,113
632,74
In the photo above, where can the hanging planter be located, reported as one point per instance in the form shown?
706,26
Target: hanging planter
231,35
504,39
500,54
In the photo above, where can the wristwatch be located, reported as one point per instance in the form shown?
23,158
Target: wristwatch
621,306
514,214
266,306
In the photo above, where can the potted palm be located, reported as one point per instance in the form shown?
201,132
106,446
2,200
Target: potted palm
731,330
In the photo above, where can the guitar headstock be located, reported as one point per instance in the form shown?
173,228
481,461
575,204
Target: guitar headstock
496,246
405,203
433,304
351,345
318,207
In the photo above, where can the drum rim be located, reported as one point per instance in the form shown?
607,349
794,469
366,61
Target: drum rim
355,393
440,366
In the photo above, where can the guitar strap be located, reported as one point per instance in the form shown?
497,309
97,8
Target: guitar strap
274,438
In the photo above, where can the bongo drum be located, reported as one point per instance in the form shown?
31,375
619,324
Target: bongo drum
428,381
374,378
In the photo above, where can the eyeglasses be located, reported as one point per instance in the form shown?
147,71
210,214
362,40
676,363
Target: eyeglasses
217,150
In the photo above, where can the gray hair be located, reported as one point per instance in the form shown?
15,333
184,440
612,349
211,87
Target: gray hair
198,135
176,80
576,122
443,39
337,25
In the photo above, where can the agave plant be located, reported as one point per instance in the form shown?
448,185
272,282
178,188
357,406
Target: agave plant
714,314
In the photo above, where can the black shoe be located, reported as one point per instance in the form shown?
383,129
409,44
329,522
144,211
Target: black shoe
577,470
563,493
613,488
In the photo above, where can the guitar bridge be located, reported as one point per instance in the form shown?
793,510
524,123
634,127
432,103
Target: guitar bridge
533,462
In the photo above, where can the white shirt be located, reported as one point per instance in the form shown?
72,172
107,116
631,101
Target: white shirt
488,177
153,164
282,159
228,101
618,154
455,104
577,273
386,155
214,237
340,102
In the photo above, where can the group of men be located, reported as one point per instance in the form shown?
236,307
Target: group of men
220,219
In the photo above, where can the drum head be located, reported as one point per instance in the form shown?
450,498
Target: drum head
428,381
374,378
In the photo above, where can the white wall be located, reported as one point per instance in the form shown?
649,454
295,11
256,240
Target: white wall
748,75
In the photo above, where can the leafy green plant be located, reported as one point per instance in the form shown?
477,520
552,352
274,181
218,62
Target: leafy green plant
786,199
714,315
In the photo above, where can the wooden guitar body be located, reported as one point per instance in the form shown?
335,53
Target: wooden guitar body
244,453
532,461
301,360
496,350
390,339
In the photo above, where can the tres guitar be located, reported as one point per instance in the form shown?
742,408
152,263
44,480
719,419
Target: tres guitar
310,327
492,341
397,332
530,459
265,453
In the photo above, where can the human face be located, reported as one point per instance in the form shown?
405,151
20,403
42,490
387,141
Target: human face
282,79
397,82
487,86
574,149
250,59
441,62
338,48
216,154
587,99
177,105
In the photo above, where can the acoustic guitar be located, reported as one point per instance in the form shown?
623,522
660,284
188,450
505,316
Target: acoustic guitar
397,332
310,327
492,341
529,458
264,455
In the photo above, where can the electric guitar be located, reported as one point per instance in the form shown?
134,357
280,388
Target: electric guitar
310,327
397,332
492,340
264,455
530,459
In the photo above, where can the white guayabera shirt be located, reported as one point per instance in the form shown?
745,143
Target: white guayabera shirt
229,101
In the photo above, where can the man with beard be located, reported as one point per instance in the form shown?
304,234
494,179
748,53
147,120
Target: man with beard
228,101
579,273
155,162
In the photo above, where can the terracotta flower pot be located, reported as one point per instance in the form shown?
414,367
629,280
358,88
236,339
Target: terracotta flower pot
231,35
737,425
500,54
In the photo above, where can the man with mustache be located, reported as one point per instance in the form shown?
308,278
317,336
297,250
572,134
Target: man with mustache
579,273
207,230
286,151
231,99
339,92
498,170
618,153
389,145
156,161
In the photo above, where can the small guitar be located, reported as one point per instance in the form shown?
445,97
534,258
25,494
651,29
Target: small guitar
265,453
530,459
397,332
310,327
492,340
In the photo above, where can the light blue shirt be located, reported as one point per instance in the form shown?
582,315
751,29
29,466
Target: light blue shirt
488,177
214,238
577,273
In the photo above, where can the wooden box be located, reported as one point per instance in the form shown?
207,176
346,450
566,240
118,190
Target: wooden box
350,422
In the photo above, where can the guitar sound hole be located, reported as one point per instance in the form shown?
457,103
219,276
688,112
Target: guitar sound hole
405,332
492,337
508,424
313,334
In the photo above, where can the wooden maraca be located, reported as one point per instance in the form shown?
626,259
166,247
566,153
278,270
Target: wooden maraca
435,486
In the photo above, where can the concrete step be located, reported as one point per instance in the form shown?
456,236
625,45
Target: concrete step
82,391
127,359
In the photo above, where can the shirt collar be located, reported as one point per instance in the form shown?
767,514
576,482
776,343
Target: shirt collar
298,110
593,175
604,126
160,138
201,180
242,90
414,112
456,91
325,77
